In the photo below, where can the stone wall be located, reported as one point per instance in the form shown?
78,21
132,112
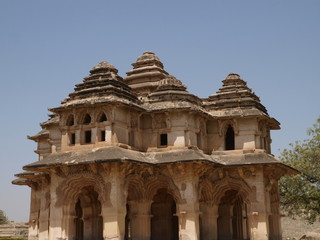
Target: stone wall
14,230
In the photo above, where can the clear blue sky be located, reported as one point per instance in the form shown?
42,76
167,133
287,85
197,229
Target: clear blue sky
46,47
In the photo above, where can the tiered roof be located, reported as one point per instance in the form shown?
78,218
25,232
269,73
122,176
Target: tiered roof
172,94
146,73
235,98
101,86
150,88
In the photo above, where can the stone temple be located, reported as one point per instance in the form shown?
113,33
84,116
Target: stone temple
141,158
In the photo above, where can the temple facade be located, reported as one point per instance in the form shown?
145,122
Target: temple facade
141,158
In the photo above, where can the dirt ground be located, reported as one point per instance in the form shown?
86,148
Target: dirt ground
296,228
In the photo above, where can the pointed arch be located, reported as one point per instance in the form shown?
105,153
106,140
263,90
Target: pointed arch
140,188
213,191
81,197
86,119
102,117
70,188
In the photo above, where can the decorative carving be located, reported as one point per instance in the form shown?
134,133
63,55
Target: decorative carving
71,187
212,191
223,125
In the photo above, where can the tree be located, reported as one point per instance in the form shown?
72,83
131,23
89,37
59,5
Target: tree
300,194
3,217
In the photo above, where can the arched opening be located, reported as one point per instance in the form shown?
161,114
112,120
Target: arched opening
79,221
229,138
70,121
103,117
164,223
232,221
87,119
88,221
127,234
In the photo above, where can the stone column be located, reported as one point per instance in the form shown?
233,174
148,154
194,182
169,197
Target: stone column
259,215
209,216
108,136
140,220
34,211
113,223
70,228
188,223
78,137
56,210
44,216
64,140
94,137
114,210
188,212
55,225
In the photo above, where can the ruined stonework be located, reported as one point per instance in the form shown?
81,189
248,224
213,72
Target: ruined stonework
142,158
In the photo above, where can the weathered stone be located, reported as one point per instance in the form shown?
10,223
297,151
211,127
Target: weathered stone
311,236
14,230
142,158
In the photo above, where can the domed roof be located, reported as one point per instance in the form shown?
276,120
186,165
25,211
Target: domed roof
103,66
148,59
148,56
233,75
146,73
170,82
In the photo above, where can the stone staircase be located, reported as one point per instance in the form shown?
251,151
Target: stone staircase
14,230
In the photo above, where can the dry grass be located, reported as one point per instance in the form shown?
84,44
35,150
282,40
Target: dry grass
296,228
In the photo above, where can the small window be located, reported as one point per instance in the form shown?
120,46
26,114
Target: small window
72,139
230,139
163,139
87,136
103,136
103,118
70,121
87,119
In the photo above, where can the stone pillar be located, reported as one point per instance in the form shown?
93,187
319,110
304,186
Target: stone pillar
55,226
108,136
259,214
34,212
64,140
188,223
188,212
44,216
78,137
113,223
56,210
209,216
70,228
140,220
94,137
114,210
